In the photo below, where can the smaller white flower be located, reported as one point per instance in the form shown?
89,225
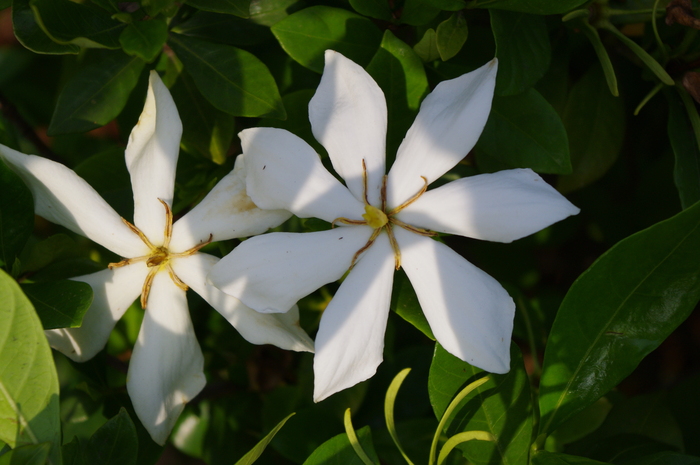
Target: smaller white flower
384,222
162,262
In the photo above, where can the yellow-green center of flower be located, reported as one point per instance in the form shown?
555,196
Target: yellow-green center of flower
380,219
159,257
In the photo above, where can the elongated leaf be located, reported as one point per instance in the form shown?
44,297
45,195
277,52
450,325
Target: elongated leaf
59,304
16,215
80,24
31,454
684,141
426,48
418,12
595,122
537,7
270,12
226,29
339,451
239,8
505,410
522,48
96,94
233,80
401,75
552,458
28,380
617,312
307,34
144,39
115,443
30,34
379,9
524,131
451,35
255,452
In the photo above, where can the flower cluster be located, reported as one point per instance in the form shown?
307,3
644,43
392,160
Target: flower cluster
380,223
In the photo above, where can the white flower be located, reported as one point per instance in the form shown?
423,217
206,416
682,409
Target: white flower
166,367
384,222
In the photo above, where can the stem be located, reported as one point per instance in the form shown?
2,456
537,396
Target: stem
649,96
662,46
537,369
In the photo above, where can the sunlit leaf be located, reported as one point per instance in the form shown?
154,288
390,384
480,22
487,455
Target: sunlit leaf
451,35
255,452
338,450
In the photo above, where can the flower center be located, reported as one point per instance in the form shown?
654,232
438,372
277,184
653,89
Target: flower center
159,257
380,219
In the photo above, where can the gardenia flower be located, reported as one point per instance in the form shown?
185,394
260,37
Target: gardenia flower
386,222
162,261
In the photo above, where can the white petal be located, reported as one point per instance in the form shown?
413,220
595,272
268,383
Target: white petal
151,157
350,339
501,207
226,212
280,329
284,172
470,313
166,368
64,198
348,117
448,125
113,292
270,273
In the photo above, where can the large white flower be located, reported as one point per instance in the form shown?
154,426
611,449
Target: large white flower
162,261
385,222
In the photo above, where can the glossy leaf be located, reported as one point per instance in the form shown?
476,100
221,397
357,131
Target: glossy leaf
339,451
617,312
405,303
524,131
226,29
451,35
684,137
537,7
255,452
401,76
595,122
239,8
544,457
80,24
307,34
30,34
144,39
115,443
31,454
96,94
522,48
29,405
16,215
373,8
426,48
270,12
502,407
233,80
59,304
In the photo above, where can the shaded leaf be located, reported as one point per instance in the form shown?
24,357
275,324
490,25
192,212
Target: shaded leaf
426,48
405,303
255,452
16,215
48,250
538,7
239,8
227,29
684,141
144,39
379,9
31,35
667,458
338,450
59,304
451,35
418,12
270,12
543,457
115,443
32,454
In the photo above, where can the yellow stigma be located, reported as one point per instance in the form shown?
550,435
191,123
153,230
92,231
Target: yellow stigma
375,217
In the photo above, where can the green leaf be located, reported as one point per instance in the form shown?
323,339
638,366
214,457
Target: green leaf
379,9
307,34
74,453
29,408
447,5
667,458
226,29
522,48
81,24
505,410
270,12
48,250
426,48
595,122
233,80
239,8
207,132
115,443
96,94
537,7
451,35
144,39
16,215
405,303
401,75
297,122
32,454
524,131
684,137
30,34
582,424
255,452
153,7
592,34
618,311
543,457
339,451
418,13
59,304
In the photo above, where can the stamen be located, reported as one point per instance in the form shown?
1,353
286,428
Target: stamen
178,282
194,249
371,240
413,229
168,224
347,221
364,181
411,200
147,287
138,232
395,246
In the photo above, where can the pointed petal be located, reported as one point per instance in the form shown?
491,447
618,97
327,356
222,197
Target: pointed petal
348,117
280,329
447,127
350,339
64,198
113,292
470,313
284,172
166,368
501,207
270,273
225,213
151,157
